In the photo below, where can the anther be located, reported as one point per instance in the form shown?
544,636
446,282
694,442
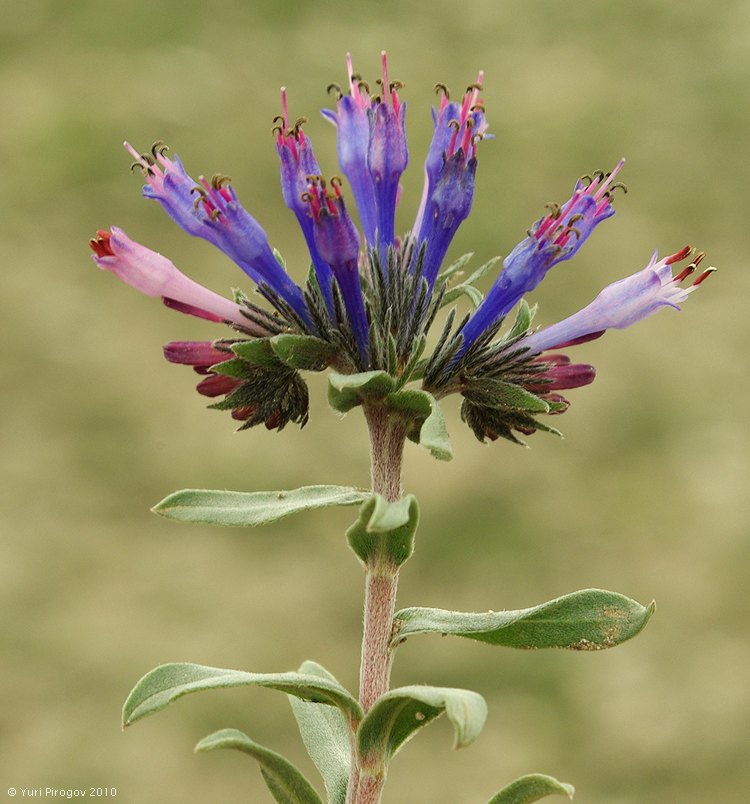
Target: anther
440,87
395,85
215,214
148,159
704,276
477,107
159,148
598,175
575,231
474,86
554,208
220,179
335,88
300,121
574,218
362,84
455,124
619,185
586,179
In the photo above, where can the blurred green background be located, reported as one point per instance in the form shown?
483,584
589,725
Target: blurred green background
647,495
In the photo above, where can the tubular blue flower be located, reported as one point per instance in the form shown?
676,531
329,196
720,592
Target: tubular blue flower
353,142
551,240
450,170
622,303
298,163
387,154
337,240
211,210
154,275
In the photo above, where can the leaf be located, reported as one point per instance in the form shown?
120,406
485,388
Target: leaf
327,737
475,296
284,780
531,788
591,619
384,531
166,683
251,508
346,391
397,715
524,317
303,351
257,351
428,429
455,267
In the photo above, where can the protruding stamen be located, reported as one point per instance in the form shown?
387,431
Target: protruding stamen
442,88
335,88
159,148
704,276
607,184
679,255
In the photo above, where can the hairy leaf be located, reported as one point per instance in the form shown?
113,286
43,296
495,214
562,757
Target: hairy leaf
591,619
284,780
531,788
327,737
251,508
399,714
384,531
166,683
346,391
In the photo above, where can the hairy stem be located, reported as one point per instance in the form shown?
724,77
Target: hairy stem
387,437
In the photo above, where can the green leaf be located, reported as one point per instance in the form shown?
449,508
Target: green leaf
166,683
327,737
251,508
532,788
455,267
284,780
257,351
384,531
475,296
397,715
428,428
524,317
303,351
346,391
592,619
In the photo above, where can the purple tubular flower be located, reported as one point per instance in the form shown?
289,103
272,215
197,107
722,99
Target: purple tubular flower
352,142
387,155
551,240
298,163
337,240
450,170
622,303
154,275
211,210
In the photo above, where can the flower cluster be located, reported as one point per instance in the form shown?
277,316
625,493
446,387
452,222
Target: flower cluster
371,296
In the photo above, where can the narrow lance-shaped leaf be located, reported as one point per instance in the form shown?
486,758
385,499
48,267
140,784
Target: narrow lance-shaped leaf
327,737
251,508
591,619
397,715
166,683
286,783
532,788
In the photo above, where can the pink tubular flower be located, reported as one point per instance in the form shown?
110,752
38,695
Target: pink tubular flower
154,275
623,303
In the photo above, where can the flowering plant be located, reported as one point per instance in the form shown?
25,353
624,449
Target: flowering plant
366,312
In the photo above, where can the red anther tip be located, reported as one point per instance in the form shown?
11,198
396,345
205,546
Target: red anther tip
678,255
704,276
684,274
